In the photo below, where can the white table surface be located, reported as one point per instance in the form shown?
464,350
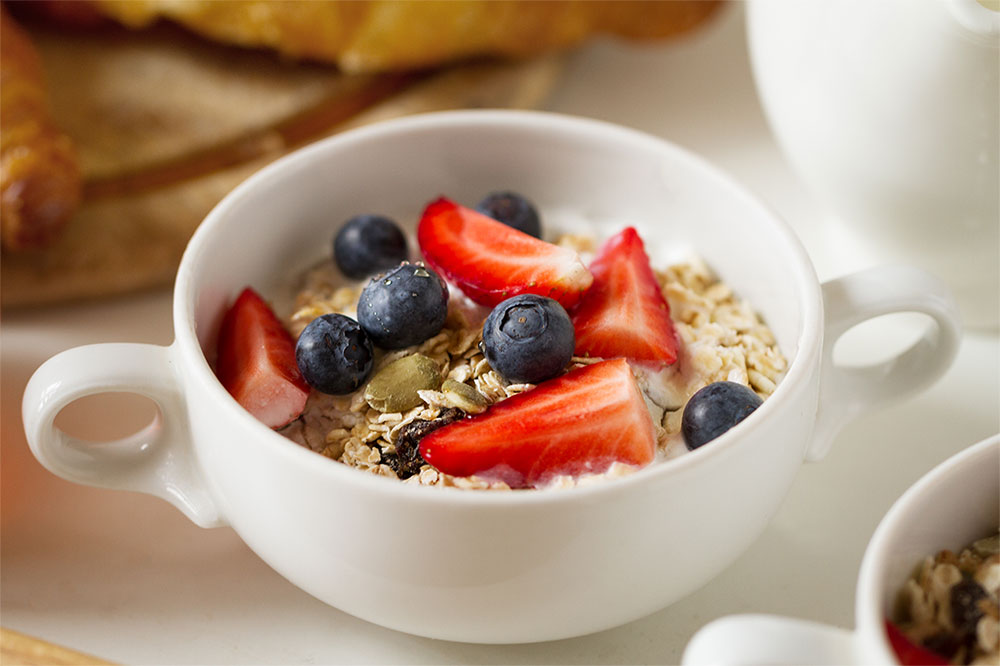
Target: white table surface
127,578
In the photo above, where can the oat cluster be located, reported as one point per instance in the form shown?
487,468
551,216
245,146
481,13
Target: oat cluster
722,339
348,429
950,606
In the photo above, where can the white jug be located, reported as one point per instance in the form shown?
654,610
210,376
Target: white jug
888,109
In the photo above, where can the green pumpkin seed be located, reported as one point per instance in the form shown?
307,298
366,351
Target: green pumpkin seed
465,397
394,387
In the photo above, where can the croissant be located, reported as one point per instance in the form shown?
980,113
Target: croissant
379,35
40,180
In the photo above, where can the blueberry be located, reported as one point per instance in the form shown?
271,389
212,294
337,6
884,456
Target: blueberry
528,338
715,409
403,307
368,244
334,355
513,210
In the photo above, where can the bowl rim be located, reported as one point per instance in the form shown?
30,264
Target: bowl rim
801,366
870,596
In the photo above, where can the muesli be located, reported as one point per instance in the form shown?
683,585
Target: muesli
590,319
949,607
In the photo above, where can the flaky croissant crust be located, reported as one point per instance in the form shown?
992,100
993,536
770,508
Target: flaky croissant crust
40,180
378,35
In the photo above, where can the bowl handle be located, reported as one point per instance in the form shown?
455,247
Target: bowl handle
157,460
848,392
768,639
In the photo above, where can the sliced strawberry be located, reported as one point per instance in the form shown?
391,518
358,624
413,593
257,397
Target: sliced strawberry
256,362
575,424
491,261
624,314
909,653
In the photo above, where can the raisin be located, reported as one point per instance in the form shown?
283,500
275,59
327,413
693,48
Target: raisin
965,610
943,644
391,460
408,455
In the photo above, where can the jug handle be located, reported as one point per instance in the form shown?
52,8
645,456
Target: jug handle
979,21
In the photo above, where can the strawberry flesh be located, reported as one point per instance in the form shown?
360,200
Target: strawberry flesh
256,362
576,424
490,261
624,314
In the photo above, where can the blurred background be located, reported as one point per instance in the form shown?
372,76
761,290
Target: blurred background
870,127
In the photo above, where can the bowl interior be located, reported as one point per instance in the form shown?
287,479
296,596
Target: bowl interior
585,176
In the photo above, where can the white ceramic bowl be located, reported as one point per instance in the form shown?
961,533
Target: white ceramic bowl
487,567
953,505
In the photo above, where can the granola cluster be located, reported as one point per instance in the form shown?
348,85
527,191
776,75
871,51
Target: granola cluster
722,339
950,605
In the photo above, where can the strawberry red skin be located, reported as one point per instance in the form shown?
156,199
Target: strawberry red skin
256,362
491,261
624,314
907,652
575,424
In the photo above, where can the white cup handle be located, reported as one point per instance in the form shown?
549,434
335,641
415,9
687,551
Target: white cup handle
157,460
768,639
846,393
